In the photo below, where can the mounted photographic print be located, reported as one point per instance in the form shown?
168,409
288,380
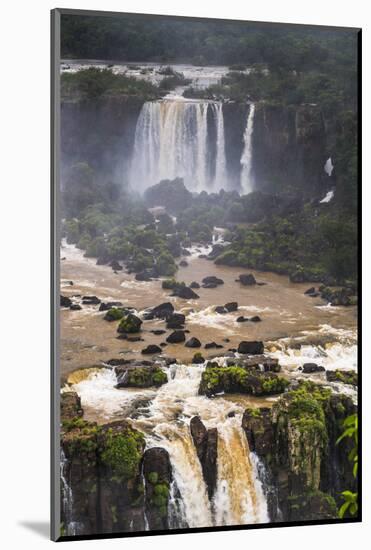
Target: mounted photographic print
205,200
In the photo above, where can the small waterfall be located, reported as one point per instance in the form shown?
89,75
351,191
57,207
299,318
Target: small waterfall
239,497
220,161
71,527
247,183
171,140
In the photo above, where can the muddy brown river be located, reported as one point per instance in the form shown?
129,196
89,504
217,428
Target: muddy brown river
286,313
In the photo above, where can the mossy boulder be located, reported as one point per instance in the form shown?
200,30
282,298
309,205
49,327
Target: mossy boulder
70,406
121,448
129,324
114,314
343,376
233,379
146,376
157,474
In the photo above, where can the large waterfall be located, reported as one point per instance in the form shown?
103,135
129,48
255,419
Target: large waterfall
247,183
172,139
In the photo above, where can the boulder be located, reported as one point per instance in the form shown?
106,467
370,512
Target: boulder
231,306
129,324
105,306
176,337
186,293
220,309
183,263
75,307
343,376
209,285
247,279
162,311
158,332
194,285
91,300
251,348
140,375
152,348
198,359
115,265
115,314
70,406
175,320
216,250
211,279
310,290
241,319
213,345
144,275
309,368
255,319
65,301
193,343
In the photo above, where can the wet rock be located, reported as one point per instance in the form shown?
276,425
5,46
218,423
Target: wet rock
241,319
163,344
310,290
105,306
144,275
296,441
231,306
70,406
215,252
115,265
255,319
213,345
206,443
150,349
247,279
140,376
183,263
309,368
343,376
194,285
198,359
129,324
233,379
158,332
220,309
212,279
343,296
175,321
186,293
163,310
91,300
176,337
209,285
75,307
158,477
193,343
251,348
115,314
65,301
257,362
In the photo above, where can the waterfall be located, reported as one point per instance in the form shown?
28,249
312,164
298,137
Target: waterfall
239,497
171,140
247,183
72,528
220,161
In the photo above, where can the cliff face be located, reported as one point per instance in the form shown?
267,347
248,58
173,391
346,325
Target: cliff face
289,149
296,441
101,133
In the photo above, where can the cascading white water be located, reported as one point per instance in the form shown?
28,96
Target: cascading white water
171,140
71,527
239,497
246,181
220,160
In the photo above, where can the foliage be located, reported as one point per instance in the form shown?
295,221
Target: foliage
92,83
122,452
350,498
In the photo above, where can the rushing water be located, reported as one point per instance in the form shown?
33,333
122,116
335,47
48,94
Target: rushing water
247,183
171,140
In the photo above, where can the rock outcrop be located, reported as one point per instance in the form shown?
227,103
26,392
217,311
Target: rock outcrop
206,443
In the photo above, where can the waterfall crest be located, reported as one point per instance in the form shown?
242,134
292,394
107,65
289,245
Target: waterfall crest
247,182
171,140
